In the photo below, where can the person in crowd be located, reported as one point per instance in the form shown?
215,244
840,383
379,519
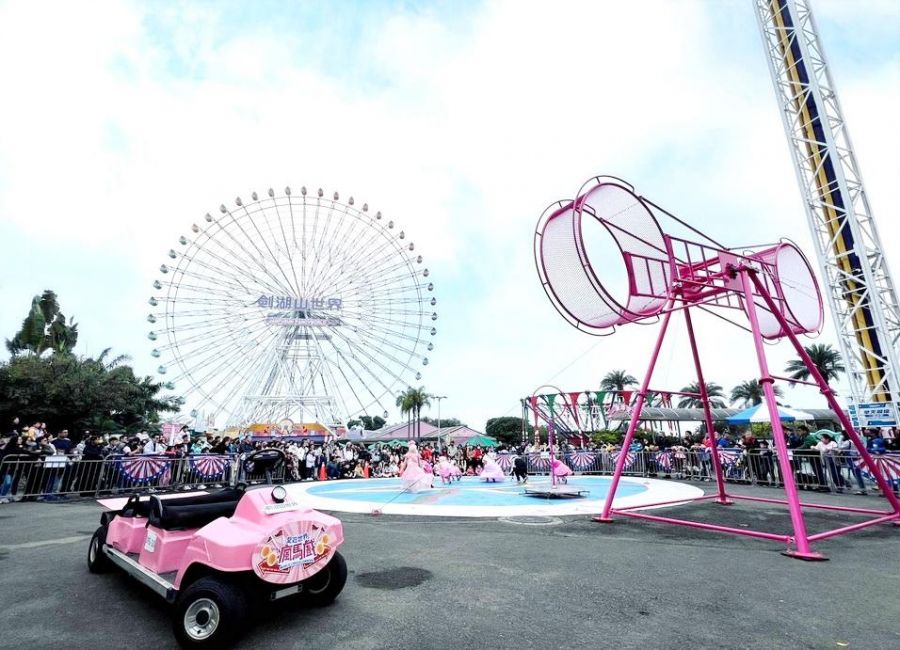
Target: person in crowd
849,457
828,450
154,447
765,465
875,443
12,470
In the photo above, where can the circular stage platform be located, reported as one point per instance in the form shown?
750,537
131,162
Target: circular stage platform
472,497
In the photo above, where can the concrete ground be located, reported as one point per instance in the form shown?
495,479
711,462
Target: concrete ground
527,583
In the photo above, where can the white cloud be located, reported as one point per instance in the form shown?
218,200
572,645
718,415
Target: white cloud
124,130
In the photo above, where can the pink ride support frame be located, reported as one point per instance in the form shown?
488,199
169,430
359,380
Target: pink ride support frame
772,286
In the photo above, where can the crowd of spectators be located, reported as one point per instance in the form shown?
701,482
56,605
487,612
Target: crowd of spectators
818,460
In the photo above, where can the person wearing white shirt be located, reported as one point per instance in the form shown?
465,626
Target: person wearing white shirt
155,447
829,448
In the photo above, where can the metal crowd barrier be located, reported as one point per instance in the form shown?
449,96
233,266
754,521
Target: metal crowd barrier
811,469
56,477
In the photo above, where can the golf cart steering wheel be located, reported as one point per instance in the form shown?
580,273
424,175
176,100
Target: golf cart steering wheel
265,460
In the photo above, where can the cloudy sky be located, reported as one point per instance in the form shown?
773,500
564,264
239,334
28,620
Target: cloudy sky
122,123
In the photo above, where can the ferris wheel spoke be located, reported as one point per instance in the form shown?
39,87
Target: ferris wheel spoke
362,382
270,280
380,343
209,356
223,267
240,382
274,258
215,370
365,350
318,267
381,263
378,379
222,271
346,244
376,283
349,384
184,279
287,248
220,330
200,346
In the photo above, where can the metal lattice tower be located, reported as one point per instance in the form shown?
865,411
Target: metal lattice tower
858,286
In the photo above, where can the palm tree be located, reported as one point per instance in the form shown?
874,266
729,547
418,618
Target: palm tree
824,357
617,380
713,391
750,393
406,407
411,402
419,398
44,328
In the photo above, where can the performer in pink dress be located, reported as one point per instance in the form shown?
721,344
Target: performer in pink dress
414,477
492,472
445,469
559,469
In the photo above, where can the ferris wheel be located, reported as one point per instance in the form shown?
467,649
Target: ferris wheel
292,307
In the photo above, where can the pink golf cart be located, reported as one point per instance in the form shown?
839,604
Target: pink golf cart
215,555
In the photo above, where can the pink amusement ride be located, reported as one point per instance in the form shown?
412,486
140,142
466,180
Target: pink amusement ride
648,274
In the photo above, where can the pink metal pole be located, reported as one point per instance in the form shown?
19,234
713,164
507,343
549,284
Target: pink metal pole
852,527
832,402
635,416
747,532
815,506
707,413
803,552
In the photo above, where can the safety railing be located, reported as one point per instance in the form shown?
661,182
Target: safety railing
812,470
55,477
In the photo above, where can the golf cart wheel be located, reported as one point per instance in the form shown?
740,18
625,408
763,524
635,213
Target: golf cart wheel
97,560
209,614
322,588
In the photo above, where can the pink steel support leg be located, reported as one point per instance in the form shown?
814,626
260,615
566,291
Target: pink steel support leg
711,432
801,540
832,402
635,417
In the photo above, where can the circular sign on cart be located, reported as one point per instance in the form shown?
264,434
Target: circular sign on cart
293,552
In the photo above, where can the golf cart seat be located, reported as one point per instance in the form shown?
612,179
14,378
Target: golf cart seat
194,511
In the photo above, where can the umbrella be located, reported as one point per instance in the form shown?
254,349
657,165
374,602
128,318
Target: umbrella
818,434
760,413
483,441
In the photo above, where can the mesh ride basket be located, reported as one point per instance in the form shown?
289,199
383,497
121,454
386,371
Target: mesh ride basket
611,233
607,231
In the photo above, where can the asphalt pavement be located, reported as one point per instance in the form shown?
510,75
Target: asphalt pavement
531,582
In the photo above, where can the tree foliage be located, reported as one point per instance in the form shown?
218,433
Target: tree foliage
44,328
411,401
507,430
80,393
367,422
824,357
750,393
713,391
617,380
444,422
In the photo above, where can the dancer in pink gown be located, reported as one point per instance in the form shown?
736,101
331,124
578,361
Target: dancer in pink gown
415,479
492,472
445,469
560,470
